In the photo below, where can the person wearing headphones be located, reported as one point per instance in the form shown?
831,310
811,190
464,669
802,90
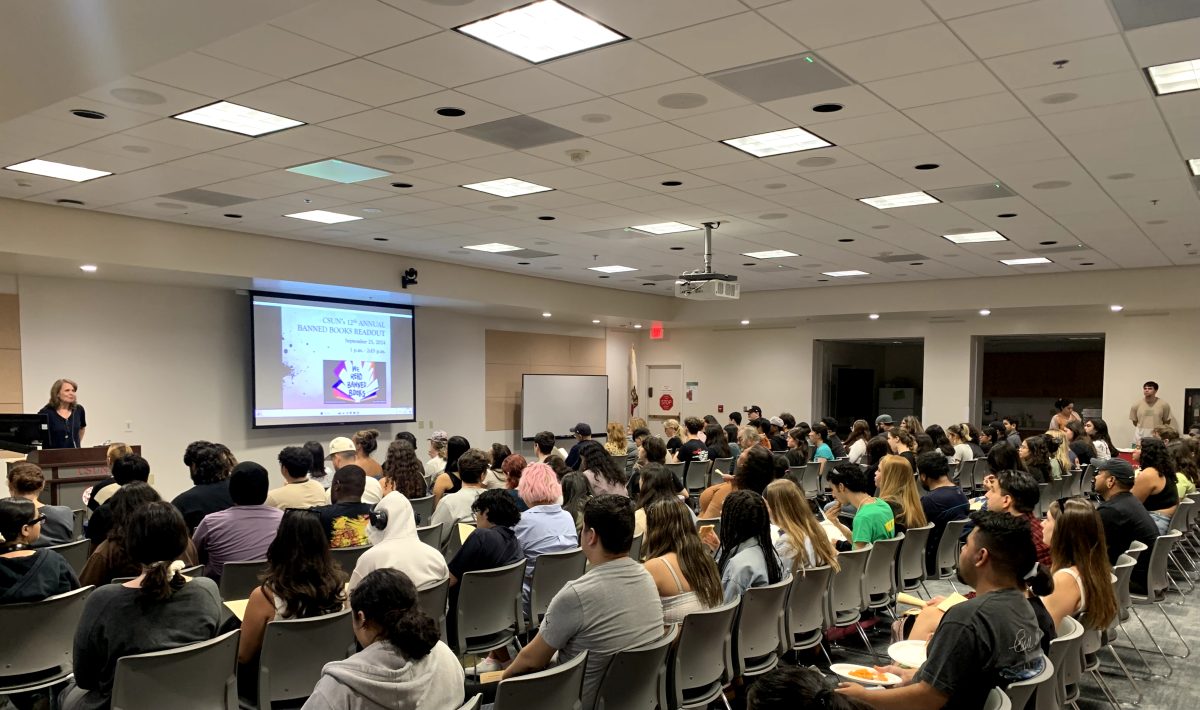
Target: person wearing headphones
392,532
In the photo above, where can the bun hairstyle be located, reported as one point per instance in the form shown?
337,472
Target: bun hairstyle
366,440
155,538
388,599
1062,402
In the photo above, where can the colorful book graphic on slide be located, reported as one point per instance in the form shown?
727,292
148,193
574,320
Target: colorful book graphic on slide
356,381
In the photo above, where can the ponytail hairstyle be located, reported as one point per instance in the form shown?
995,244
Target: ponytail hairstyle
904,436
962,432
156,537
388,599
366,440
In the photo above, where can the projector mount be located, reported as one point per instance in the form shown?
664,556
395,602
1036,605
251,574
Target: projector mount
693,281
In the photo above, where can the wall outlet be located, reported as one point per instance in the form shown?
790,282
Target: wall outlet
129,425
420,424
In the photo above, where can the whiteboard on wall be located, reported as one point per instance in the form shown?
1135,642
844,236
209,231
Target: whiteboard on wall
558,402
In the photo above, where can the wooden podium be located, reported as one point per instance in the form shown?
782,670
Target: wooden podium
69,472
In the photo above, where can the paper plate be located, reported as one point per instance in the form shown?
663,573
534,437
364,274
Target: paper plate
910,654
843,670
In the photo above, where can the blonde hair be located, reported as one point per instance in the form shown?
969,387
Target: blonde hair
637,423
896,483
912,424
791,513
56,391
1062,455
617,442
672,425
116,450
962,432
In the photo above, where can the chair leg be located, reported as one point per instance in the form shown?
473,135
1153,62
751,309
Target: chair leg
867,641
925,589
1108,694
1187,651
826,652
1128,675
1170,668
1134,646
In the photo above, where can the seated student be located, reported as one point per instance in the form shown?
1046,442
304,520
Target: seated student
456,507
494,477
437,456
209,465
792,687
613,606
899,489
745,556
158,610
1155,482
343,453
111,558
983,643
657,484
1081,569
1124,517
126,469
404,470
394,544
512,467
692,448
683,571
576,492
818,439
101,491
345,520
653,450
318,471
403,663
797,453
944,503
493,544
25,480
449,480
601,471
28,574
241,533
1016,493
798,538
873,519
302,581
298,490
755,469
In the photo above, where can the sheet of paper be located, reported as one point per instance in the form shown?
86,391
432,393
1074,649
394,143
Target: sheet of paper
910,600
951,601
493,677
832,532
237,607
464,531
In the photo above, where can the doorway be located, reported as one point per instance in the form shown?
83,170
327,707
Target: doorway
1021,376
861,379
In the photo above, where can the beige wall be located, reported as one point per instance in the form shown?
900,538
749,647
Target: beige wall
11,396
511,355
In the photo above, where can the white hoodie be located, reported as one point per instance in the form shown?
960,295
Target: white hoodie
380,677
398,547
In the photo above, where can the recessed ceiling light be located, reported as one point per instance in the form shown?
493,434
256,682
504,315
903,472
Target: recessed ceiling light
547,314
927,166
1007,215
1194,164
62,171
637,325
906,199
1026,262
827,108
541,31
380,239
984,312
790,140
1048,242
493,247
845,240
745,322
614,269
749,263
677,248
338,171
845,274
664,228
770,254
1175,77
596,320
975,237
232,215
402,185
873,316
90,268
671,183
523,263
69,201
323,216
88,113
238,119
507,187
547,218
1116,309
450,112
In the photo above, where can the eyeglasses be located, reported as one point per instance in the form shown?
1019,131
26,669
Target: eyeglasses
38,520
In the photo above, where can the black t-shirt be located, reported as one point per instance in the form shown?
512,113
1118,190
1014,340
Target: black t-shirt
345,523
674,443
941,506
693,450
202,499
99,524
836,446
1125,521
1083,452
64,433
910,458
483,549
92,503
573,457
778,442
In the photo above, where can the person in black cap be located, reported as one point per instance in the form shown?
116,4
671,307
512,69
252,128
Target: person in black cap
883,423
753,413
582,432
1125,518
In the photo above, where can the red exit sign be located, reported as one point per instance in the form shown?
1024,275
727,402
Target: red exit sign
656,330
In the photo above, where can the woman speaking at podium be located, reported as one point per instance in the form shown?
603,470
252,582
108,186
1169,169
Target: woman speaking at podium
66,415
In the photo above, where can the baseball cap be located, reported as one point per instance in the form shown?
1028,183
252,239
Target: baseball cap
1118,468
883,419
340,445
753,408
776,421
440,436
582,429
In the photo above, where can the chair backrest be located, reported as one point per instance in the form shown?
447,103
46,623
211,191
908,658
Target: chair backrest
77,517
724,465
551,572
1136,548
474,703
966,475
451,540
557,688
696,475
1182,514
199,676
76,553
846,587
1020,692
879,578
997,700
635,549
676,469
43,633
1084,485
1045,498
489,603
759,629
1122,573
1050,696
629,684
431,535
347,557
1157,579
947,552
810,480
703,658
805,615
422,508
295,650
238,579
432,601
910,564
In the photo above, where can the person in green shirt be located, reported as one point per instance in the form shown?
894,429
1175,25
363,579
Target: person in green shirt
873,520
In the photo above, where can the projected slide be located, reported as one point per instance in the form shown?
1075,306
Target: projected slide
318,361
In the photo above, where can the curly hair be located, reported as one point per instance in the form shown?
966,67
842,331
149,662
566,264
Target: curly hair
1154,454
500,507
388,598
404,470
209,462
594,458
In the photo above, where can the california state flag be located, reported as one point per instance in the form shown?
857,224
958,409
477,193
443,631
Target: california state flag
633,385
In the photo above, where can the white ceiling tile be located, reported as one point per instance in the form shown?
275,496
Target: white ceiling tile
450,59
1091,91
955,171
937,86
1032,25
382,126
860,181
217,166
654,182
915,148
1130,114
187,135
855,101
1089,57
734,123
594,117
352,193
319,140
30,135
641,19
1165,43
721,44
1018,131
274,51
958,8
905,52
709,96
626,168
866,129
367,82
528,91
646,139
745,172
355,26
118,118
565,178
452,13
147,152
249,187
205,75
390,159
815,160
823,23
150,97
273,154
620,67
968,112
298,102
512,164
564,152
700,156
989,157
425,108
452,146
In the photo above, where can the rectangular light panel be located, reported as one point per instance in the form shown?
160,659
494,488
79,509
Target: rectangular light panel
238,119
493,247
1194,164
1026,262
665,228
323,216
975,237
1175,77
770,254
790,140
62,171
611,269
844,274
907,199
541,31
507,187
338,171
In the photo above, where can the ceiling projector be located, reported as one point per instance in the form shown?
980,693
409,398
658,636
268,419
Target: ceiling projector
704,284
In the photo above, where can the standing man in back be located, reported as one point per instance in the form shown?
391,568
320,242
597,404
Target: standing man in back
1149,411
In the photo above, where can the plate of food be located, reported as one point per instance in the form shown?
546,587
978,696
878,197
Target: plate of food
910,654
864,675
